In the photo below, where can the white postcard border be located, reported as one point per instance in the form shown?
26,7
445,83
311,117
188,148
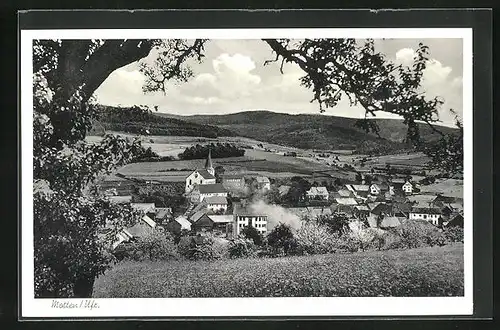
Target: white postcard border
220,307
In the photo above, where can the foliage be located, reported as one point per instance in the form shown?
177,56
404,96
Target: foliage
251,233
219,150
240,248
158,245
202,248
219,172
298,188
414,234
142,120
282,241
337,68
314,238
425,272
337,223
454,234
69,253
162,196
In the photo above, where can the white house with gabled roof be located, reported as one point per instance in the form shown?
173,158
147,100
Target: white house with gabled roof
201,176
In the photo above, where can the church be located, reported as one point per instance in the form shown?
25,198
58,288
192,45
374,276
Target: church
201,176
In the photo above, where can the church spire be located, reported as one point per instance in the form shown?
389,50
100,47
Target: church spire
208,164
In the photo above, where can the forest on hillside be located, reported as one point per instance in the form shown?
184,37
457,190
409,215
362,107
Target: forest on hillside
142,120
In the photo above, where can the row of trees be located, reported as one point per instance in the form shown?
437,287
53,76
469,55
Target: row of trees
219,150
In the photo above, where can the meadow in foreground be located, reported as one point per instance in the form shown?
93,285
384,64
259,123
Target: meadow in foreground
431,271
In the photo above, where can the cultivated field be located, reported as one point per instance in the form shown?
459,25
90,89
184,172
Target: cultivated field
436,271
449,187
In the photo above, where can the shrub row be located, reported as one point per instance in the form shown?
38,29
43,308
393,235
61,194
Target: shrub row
312,238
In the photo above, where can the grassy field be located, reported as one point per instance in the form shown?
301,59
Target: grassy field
434,271
449,187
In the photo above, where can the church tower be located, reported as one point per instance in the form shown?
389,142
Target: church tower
208,164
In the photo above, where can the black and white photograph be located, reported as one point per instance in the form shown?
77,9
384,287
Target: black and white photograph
309,165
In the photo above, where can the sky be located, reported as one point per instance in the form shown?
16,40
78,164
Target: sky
232,78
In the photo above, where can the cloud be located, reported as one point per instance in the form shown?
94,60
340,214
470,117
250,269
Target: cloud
405,55
437,81
232,78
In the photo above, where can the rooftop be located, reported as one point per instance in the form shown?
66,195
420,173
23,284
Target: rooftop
390,222
120,199
221,218
215,200
346,201
183,221
262,179
361,187
204,174
213,188
426,210
318,191
145,207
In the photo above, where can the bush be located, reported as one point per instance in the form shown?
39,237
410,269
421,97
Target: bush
416,234
454,234
251,233
282,241
218,150
433,238
337,223
157,245
240,248
202,248
313,238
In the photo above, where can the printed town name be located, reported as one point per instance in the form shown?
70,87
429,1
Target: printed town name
85,303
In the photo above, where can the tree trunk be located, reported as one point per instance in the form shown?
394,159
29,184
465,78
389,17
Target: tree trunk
84,287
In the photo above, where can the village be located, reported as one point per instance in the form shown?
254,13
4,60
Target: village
224,205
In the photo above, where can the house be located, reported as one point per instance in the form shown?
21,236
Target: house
426,213
401,209
442,200
216,224
244,217
361,211
345,205
343,193
263,183
422,200
359,190
142,228
163,215
389,222
202,191
178,224
233,182
379,189
456,220
402,186
201,176
381,210
449,209
148,208
384,222
197,215
120,199
222,224
216,203
317,193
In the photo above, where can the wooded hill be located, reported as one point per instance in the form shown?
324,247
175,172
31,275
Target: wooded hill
313,131
140,120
